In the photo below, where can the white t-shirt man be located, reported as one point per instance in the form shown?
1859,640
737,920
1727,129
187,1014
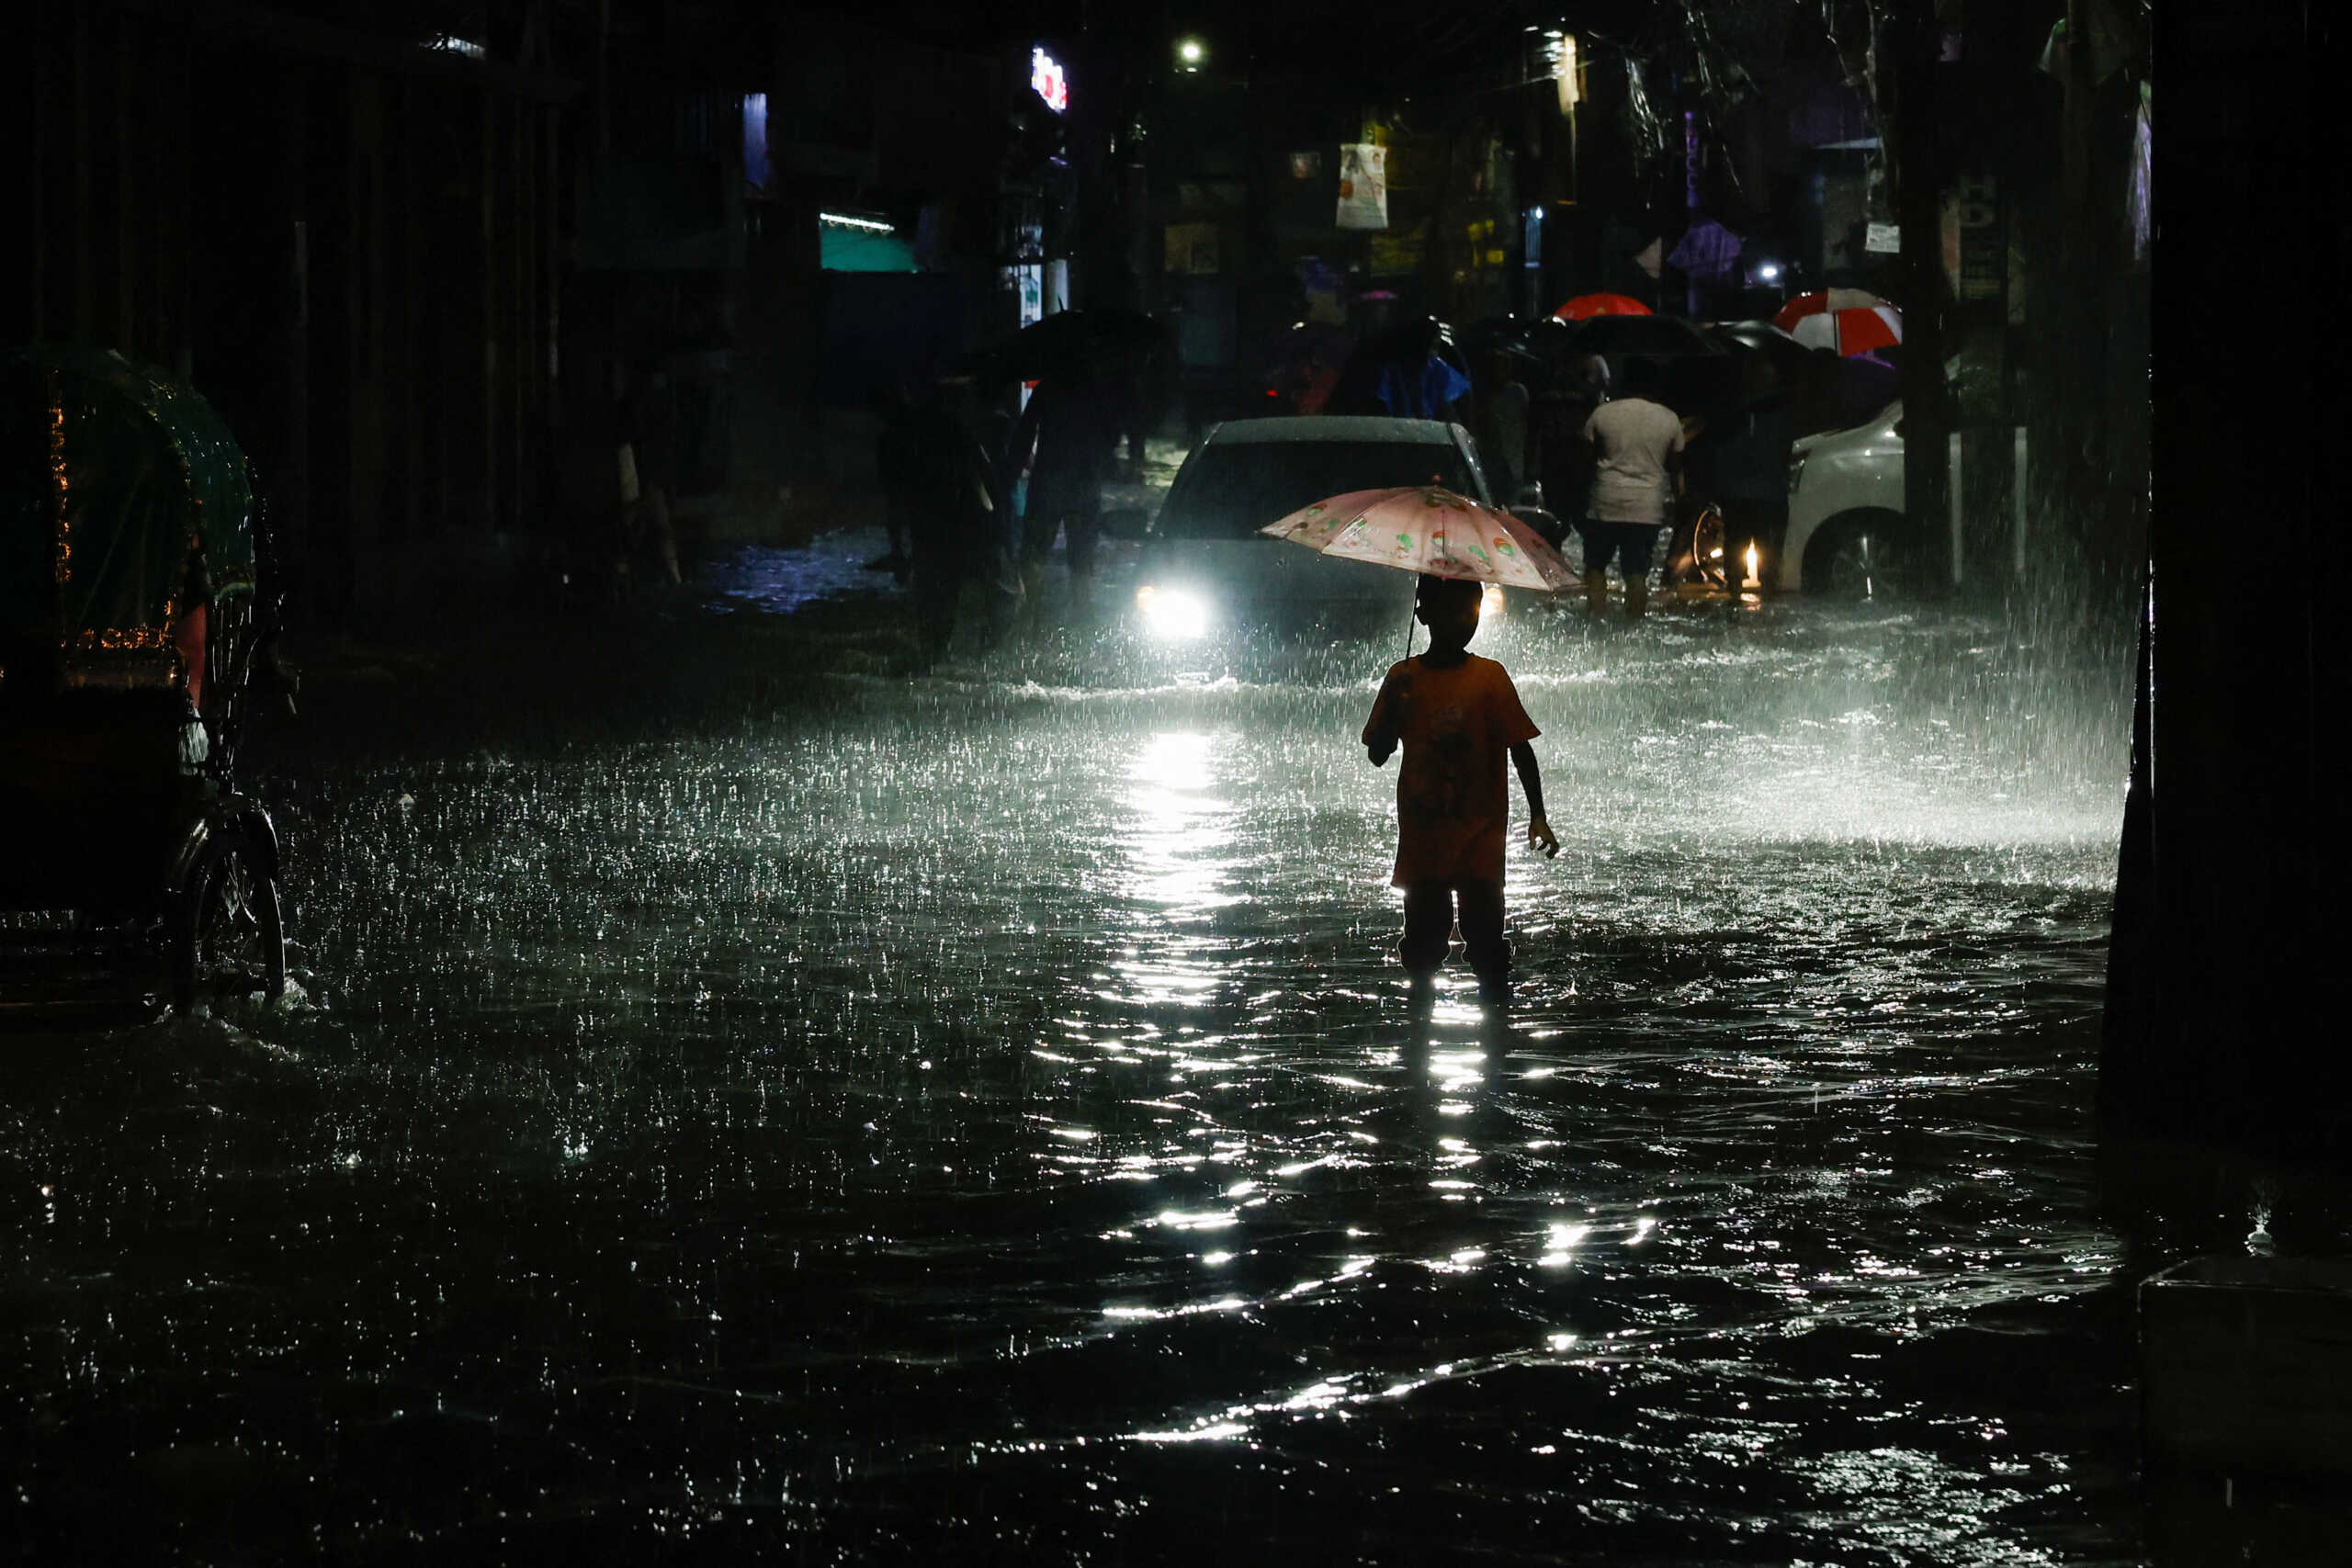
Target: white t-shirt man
1632,440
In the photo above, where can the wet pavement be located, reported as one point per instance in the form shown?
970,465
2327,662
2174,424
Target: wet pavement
743,1097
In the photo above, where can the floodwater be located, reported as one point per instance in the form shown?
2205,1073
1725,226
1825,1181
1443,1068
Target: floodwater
975,1117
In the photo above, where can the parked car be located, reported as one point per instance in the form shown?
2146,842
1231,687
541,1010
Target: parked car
1848,534
1205,567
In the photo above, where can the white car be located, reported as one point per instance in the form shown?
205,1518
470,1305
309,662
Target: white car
1205,568
1848,535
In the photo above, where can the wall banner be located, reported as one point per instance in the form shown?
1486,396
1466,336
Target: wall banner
1363,186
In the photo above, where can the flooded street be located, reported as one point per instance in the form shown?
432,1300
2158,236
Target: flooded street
975,1117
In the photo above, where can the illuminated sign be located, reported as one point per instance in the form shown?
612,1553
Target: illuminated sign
1047,77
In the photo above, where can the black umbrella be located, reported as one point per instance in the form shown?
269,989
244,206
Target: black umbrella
1490,333
1539,347
1514,335
1069,343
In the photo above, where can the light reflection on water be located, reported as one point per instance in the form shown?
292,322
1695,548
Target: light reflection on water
1181,835
960,1116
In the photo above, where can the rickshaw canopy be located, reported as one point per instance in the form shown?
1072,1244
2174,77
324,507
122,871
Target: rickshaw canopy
123,496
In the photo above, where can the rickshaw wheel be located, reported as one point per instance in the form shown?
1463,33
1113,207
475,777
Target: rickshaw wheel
229,940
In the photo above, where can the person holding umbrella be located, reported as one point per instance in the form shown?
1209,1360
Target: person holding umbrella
1076,432
937,480
1751,473
1563,462
1101,375
1456,715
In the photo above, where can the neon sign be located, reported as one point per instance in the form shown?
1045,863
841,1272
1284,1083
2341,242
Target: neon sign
1047,78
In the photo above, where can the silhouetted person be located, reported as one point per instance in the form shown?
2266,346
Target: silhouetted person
1636,445
1457,716
1416,381
649,430
1752,462
1498,421
886,400
1152,383
937,482
1563,460
1077,420
1399,372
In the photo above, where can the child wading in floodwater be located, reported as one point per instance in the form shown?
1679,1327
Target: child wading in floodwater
1456,715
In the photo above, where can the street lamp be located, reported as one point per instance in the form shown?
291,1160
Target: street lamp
1191,54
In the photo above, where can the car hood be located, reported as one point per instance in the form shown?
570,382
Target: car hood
1259,568
1882,423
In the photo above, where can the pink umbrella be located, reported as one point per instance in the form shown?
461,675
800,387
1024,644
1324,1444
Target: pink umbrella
1589,305
1421,528
1851,332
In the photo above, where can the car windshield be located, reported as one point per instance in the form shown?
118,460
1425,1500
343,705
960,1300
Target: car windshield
1230,492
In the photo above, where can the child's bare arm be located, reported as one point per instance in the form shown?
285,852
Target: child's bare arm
1539,830
1387,712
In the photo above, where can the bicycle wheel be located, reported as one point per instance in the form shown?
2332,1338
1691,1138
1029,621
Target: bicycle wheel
227,941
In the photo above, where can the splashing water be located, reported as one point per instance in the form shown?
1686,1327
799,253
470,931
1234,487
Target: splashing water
917,1116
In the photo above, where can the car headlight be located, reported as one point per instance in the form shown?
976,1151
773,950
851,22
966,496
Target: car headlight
1490,602
1796,469
1171,614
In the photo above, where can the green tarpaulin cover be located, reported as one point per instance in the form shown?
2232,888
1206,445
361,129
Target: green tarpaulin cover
115,482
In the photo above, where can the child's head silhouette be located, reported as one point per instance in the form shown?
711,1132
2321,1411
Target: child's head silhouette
1449,607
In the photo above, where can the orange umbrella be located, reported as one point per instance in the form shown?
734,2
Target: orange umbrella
1421,528
1589,305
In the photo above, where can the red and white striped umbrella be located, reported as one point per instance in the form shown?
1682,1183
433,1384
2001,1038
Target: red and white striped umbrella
1851,332
1787,316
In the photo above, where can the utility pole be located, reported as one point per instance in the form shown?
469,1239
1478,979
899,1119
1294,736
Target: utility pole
1083,136
1918,163
2230,886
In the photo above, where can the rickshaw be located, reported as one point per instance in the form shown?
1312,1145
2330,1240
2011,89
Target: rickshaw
132,621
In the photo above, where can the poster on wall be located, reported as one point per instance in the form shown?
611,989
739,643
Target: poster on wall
1363,186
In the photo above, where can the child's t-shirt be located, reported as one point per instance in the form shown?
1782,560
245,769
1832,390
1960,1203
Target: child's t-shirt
1456,726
